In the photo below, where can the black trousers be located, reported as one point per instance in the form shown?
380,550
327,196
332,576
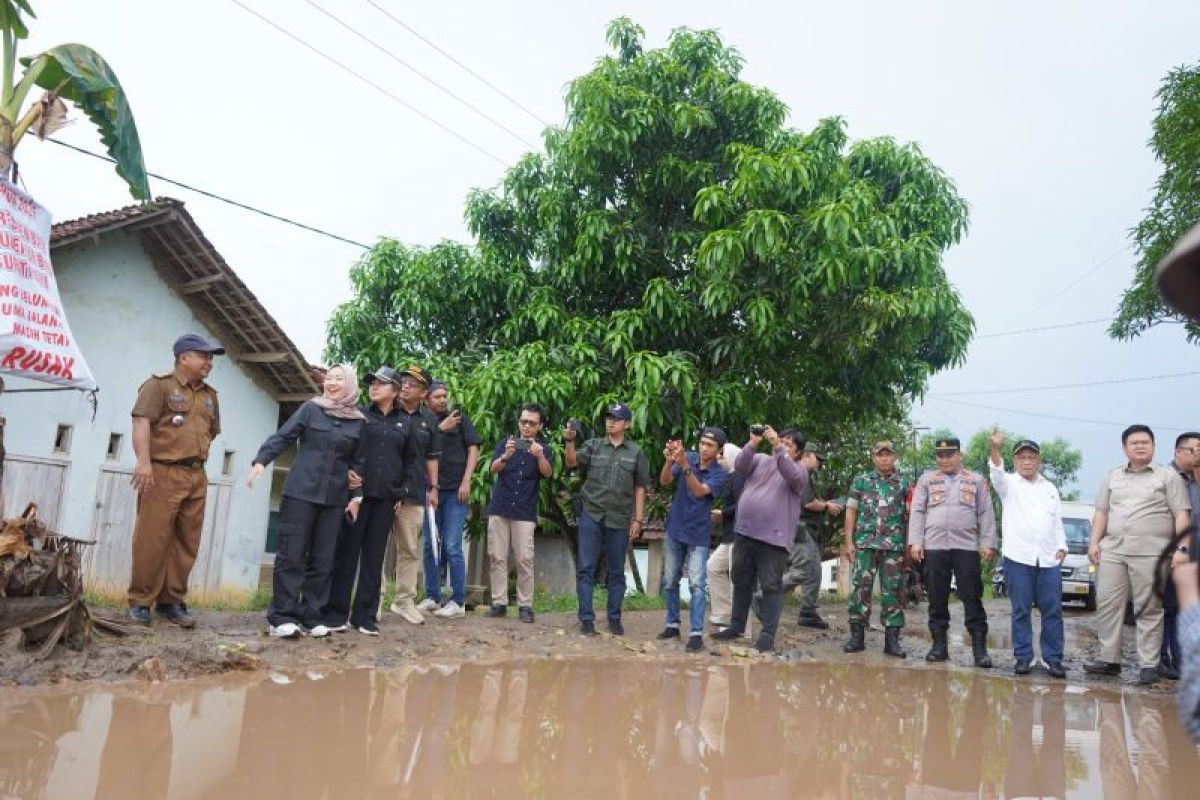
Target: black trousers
964,564
360,550
757,563
308,534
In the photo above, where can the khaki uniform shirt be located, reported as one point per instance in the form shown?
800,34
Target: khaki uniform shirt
165,396
952,512
1141,505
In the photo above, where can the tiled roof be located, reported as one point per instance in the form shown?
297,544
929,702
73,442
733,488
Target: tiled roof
190,265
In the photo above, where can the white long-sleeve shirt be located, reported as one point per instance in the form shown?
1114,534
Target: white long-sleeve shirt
1031,519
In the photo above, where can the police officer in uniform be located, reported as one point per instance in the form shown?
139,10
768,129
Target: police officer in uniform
175,418
951,521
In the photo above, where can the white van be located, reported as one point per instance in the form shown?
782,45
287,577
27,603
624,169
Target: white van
1078,574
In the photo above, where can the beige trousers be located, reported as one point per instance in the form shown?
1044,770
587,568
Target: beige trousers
505,534
1118,579
407,530
720,585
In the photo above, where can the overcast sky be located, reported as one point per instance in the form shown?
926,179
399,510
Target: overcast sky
1040,112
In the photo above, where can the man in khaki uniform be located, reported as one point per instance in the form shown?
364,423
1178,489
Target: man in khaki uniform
175,418
1139,508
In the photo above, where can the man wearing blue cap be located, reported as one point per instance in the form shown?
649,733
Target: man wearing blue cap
175,418
614,499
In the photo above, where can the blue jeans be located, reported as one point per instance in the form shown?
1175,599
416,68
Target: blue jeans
595,539
696,558
450,515
1041,586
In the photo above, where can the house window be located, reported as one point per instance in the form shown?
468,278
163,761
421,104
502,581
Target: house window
62,439
114,446
227,463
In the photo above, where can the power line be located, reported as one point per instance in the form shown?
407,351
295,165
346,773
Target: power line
1089,273
458,63
1067,385
423,76
214,196
1059,416
371,83
1015,332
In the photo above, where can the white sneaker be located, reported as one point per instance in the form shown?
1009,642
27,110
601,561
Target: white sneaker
408,612
368,631
288,630
318,631
451,610
428,605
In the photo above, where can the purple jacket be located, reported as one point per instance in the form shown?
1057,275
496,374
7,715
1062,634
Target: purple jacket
769,508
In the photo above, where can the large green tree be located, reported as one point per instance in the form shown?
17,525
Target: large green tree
1174,209
678,247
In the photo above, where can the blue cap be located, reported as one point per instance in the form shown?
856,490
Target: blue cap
191,343
618,411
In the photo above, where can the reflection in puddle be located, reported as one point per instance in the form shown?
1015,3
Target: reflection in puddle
583,728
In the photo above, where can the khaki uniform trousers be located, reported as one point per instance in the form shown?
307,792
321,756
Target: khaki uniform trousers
1118,579
505,534
720,584
407,531
166,536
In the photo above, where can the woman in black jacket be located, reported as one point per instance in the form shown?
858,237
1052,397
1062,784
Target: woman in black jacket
362,543
315,496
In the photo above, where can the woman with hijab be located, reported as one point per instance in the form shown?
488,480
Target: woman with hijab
328,431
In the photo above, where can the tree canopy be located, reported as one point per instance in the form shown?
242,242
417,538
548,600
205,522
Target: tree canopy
1174,209
678,247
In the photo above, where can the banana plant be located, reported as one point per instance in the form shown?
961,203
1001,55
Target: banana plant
73,73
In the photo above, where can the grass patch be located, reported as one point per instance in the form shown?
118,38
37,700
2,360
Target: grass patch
568,603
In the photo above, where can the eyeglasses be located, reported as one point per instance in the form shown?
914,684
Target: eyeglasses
529,422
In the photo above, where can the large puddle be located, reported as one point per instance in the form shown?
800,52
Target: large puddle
595,728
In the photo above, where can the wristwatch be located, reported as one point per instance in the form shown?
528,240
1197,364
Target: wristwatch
687,470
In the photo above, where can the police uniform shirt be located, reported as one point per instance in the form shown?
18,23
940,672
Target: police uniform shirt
184,419
952,512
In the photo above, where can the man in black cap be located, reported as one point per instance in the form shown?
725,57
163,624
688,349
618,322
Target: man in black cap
951,521
1035,544
423,447
175,419
614,500
688,523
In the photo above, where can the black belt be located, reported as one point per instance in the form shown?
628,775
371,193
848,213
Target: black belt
186,463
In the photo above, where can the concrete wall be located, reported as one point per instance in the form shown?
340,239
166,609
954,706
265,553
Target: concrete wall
125,319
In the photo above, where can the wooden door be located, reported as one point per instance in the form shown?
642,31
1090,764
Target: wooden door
36,480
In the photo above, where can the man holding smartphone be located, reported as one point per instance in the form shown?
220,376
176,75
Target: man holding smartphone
614,500
520,463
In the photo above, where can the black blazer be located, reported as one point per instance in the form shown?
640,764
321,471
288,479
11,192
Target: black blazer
329,447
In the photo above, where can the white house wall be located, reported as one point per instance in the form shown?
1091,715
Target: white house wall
125,318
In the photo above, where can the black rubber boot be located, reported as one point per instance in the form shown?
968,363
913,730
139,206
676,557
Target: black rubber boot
856,644
979,649
938,651
891,643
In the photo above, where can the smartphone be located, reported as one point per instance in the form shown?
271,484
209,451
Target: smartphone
456,409
523,444
758,430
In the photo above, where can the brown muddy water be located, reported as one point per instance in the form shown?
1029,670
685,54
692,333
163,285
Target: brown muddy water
577,728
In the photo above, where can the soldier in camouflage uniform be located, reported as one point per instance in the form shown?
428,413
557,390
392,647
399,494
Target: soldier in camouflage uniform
874,530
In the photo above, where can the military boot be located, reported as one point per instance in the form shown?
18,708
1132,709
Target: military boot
939,651
856,643
979,649
891,642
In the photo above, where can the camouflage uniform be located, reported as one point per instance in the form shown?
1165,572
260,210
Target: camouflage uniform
878,545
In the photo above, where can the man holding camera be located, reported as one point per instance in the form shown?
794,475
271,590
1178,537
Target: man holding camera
614,500
768,513
688,523
520,463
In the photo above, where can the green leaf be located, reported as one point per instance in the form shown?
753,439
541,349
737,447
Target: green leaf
79,74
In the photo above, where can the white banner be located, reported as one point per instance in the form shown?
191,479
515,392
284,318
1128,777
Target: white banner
35,339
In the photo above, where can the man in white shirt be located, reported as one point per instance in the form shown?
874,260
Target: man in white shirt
1035,544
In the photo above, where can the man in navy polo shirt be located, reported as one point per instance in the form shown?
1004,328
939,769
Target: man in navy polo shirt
688,524
520,463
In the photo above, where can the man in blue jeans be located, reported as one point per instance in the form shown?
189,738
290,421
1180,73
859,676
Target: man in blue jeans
688,524
456,465
614,499
1035,543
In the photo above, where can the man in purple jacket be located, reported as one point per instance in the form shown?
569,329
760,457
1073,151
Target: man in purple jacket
768,512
